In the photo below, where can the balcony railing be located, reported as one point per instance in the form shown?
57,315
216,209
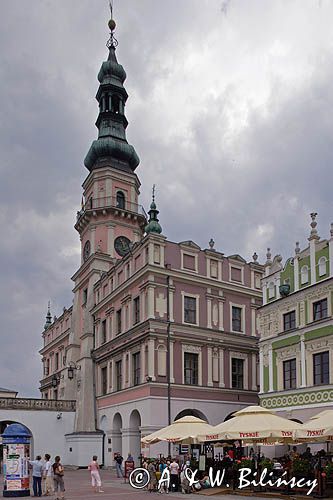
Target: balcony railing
36,404
112,202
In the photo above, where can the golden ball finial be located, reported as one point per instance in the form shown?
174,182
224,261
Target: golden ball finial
112,24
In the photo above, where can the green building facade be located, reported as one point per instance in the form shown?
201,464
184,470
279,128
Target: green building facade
295,325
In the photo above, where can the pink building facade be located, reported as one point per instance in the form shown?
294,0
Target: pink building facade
133,291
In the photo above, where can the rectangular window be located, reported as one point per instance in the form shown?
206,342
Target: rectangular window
320,309
236,274
104,380
213,269
321,368
103,332
56,360
289,321
236,319
136,310
188,262
136,368
119,375
84,296
190,310
237,373
289,374
105,290
191,368
119,326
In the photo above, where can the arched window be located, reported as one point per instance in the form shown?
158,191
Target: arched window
120,199
322,266
115,104
304,275
271,290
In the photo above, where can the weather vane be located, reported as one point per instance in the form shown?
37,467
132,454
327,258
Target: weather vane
153,192
112,42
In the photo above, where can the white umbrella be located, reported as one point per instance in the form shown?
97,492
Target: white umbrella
254,424
183,430
318,428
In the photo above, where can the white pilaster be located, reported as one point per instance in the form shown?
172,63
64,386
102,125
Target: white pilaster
151,302
124,370
261,370
172,378
253,321
264,294
330,249
254,372
270,362
221,384
171,294
221,315
303,363
313,260
209,313
296,273
142,363
277,287
92,239
209,366
151,358
130,378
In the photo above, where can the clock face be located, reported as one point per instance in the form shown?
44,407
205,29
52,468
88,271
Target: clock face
86,250
122,245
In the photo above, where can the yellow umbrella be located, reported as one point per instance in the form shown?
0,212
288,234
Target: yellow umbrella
254,424
318,428
183,430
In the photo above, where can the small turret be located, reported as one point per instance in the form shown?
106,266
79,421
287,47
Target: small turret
153,225
48,321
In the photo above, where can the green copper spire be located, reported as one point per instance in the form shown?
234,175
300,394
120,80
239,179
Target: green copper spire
153,225
111,147
48,321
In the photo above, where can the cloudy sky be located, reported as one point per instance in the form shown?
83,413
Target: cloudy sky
230,111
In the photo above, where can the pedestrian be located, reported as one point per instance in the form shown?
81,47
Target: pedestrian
96,482
37,472
129,457
47,470
58,478
164,486
174,475
119,460
152,475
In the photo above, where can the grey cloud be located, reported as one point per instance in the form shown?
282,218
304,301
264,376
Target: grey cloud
247,187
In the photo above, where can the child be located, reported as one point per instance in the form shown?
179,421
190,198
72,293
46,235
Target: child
96,482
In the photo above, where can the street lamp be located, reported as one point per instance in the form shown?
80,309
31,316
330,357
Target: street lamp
70,369
55,381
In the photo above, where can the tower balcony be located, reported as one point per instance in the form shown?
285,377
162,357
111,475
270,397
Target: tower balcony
110,204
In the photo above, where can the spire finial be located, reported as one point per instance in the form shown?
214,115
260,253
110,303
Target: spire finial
331,231
314,232
112,42
297,249
153,225
268,257
48,321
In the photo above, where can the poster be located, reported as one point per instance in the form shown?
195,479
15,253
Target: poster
13,484
129,467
